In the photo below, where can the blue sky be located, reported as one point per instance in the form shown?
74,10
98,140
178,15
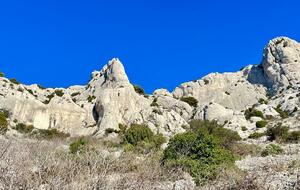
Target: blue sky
58,43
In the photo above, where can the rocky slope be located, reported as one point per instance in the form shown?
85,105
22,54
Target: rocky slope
109,99
248,101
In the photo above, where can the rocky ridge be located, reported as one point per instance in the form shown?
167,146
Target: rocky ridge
109,99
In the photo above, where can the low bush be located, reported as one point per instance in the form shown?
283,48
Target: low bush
244,128
91,98
22,128
252,112
1,74
198,153
41,87
78,146
111,130
30,91
14,81
158,140
142,138
49,134
190,100
283,114
279,133
138,89
3,123
50,96
226,137
137,133
261,124
256,135
294,137
59,93
75,94
154,103
5,112
272,149
122,128
263,101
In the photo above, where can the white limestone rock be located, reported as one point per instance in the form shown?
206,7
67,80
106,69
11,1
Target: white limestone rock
214,111
109,98
162,92
118,103
231,90
281,62
182,108
166,122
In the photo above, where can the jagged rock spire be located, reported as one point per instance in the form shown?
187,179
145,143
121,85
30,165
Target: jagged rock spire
114,72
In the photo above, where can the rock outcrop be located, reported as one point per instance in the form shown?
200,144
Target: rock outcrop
281,62
109,99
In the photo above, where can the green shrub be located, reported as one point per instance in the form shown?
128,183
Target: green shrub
1,74
5,113
142,139
158,140
272,149
137,133
14,81
283,114
252,112
78,146
49,134
91,98
256,135
111,130
50,96
199,154
294,137
157,111
278,132
128,147
190,100
3,123
226,137
263,101
30,91
261,124
59,93
122,128
244,128
139,89
41,87
154,103
22,128
75,94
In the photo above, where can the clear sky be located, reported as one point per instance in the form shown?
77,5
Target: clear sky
162,43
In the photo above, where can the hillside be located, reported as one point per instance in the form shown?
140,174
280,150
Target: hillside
258,108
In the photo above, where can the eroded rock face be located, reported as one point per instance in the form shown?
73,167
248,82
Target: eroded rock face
281,62
231,90
118,103
27,105
109,98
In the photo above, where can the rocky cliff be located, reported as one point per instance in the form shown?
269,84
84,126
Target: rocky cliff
109,99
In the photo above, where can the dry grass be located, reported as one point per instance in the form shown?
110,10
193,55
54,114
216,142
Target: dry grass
48,165
28,164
